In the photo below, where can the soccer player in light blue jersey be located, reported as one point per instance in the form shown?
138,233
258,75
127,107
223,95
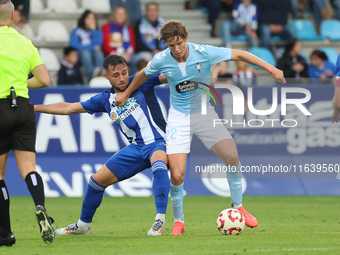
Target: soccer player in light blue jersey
182,63
336,98
142,122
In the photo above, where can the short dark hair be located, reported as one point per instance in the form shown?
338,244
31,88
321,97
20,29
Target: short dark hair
114,61
68,50
81,20
151,3
319,54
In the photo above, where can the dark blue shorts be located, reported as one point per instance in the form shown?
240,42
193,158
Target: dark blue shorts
133,159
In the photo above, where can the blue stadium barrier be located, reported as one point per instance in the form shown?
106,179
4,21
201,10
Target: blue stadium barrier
72,148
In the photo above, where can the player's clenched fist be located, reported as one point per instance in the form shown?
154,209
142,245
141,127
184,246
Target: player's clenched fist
121,98
277,74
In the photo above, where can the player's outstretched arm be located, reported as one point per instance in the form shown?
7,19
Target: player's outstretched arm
41,78
336,105
60,108
277,74
140,79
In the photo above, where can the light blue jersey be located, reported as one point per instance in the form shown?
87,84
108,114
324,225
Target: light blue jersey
186,80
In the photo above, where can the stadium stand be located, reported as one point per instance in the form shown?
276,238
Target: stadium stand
99,82
53,30
64,6
97,6
37,6
330,29
195,21
306,31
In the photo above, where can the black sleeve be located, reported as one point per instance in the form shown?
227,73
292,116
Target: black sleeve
62,75
285,65
139,44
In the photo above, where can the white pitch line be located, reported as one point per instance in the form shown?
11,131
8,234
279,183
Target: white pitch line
257,250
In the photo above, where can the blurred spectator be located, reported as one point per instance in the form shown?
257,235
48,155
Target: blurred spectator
87,39
320,67
320,11
142,63
23,6
132,7
244,22
19,23
273,17
244,74
69,73
292,63
214,8
147,30
336,7
119,38
221,72
294,8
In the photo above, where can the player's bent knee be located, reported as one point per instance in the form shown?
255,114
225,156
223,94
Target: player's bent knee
105,177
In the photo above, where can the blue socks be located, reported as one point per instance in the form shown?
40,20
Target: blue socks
176,195
92,200
235,183
160,185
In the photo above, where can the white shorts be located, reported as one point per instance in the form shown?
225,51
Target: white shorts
181,127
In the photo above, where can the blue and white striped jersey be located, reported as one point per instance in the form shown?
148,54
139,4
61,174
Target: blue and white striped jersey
140,119
188,80
245,14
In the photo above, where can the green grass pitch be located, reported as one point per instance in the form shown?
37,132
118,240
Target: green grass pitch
287,225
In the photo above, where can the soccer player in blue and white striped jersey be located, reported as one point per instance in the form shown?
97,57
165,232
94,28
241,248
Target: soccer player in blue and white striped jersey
140,119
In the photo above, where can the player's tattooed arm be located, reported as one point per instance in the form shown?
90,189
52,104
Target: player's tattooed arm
162,78
277,74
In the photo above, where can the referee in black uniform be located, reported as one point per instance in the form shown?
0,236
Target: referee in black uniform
18,56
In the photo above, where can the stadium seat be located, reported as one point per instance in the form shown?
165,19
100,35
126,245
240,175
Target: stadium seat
37,6
64,6
50,59
331,53
305,31
331,29
239,38
99,82
98,6
53,31
263,54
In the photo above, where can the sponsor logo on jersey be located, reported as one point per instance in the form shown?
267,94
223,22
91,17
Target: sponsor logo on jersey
118,114
186,86
169,74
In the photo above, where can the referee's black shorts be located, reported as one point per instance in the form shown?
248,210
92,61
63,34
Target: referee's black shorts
17,126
